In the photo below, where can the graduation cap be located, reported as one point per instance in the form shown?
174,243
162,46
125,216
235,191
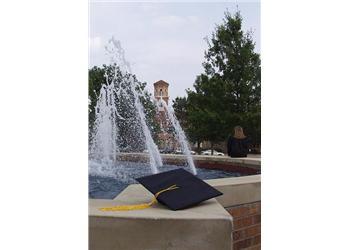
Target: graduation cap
177,189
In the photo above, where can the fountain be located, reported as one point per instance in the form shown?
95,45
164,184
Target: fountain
179,134
119,95
121,128
104,144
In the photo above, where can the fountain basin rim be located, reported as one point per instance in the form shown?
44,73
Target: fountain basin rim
245,160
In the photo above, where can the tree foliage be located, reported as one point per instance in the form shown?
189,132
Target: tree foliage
228,92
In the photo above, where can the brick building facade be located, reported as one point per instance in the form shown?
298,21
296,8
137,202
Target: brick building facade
166,137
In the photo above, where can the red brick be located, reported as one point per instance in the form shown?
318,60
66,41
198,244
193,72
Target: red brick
242,222
257,240
257,219
252,231
239,211
238,235
257,247
254,210
247,221
258,204
242,244
235,212
244,210
246,226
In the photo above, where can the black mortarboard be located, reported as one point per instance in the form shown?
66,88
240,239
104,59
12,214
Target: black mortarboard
190,190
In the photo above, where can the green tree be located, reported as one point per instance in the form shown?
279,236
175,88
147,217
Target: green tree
228,92
180,108
96,79
208,115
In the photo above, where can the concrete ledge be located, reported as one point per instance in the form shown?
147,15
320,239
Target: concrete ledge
206,226
238,190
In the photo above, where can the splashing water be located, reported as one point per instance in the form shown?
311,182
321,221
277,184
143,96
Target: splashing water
105,131
106,136
180,134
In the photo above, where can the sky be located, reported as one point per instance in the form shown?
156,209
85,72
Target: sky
163,41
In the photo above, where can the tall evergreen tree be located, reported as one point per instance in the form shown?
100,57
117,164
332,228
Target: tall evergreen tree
228,92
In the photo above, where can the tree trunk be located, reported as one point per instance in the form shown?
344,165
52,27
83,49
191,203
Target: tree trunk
212,148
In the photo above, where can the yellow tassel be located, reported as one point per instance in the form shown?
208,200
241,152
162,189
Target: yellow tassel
138,206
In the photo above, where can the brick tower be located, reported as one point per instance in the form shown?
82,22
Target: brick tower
161,90
166,138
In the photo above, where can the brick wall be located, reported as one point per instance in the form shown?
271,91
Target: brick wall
246,226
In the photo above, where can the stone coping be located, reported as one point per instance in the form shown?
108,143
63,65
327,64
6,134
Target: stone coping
136,194
236,190
220,159
250,179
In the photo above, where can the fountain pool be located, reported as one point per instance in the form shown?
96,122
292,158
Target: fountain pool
116,179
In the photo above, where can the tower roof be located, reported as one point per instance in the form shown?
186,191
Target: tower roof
160,82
